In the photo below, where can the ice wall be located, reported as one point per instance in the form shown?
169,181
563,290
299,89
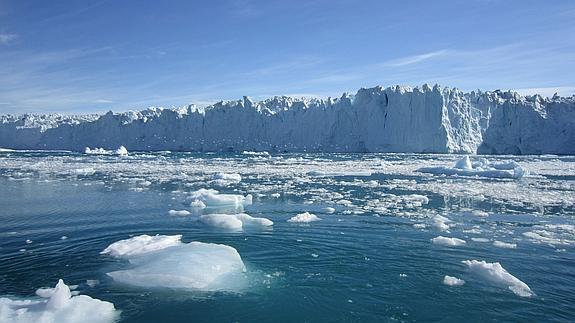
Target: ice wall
393,119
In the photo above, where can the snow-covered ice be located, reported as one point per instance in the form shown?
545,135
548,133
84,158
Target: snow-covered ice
141,244
212,198
305,217
496,274
452,281
179,212
234,221
173,264
505,245
57,305
482,168
446,241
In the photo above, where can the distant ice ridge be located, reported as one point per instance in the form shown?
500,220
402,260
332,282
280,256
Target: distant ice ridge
57,305
496,274
394,119
166,262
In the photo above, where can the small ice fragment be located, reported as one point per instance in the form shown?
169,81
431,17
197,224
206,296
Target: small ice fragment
496,274
453,281
450,242
179,212
329,210
305,217
505,245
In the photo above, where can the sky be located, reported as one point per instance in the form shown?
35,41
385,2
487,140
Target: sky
72,56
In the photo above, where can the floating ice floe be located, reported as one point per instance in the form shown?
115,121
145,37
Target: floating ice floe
453,281
482,168
441,223
57,305
203,198
305,217
505,245
496,274
141,244
121,151
552,234
256,153
234,221
328,210
450,242
171,263
179,212
227,178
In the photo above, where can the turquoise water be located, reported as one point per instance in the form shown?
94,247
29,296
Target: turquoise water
361,263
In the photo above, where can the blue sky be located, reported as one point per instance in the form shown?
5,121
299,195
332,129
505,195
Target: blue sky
93,56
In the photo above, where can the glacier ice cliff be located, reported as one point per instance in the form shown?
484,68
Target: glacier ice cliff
395,119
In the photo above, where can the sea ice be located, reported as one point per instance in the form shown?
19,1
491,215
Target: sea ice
496,274
482,168
450,242
57,305
305,217
141,244
234,221
453,281
505,245
212,198
194,265
179,212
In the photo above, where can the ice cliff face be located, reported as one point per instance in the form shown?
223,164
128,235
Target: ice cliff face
393,119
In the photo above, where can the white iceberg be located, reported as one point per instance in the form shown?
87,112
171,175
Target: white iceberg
452,281
194,265
212,198
234,221
141,244
482,168
496,274
449,242
305,217
57,305
179,212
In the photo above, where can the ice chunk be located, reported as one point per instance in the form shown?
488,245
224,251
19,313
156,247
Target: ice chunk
212,198
450,242
482,168
194,265
329,210
496,274
179,212
57,305
305,217
228,177
453,281
141,244
501,244
234,221
441,223
463,163
121,151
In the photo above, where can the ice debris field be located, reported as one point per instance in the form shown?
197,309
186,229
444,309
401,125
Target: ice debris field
136,235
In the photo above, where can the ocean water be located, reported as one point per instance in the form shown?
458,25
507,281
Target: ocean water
371,260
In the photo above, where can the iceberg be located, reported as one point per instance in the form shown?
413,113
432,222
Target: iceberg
449,242
57,305
305,217
496,274
452,281
423,119
166,262
203,198
234,222
482,168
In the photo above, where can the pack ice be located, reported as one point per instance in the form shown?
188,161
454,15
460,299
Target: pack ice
166,262
394,119
57,305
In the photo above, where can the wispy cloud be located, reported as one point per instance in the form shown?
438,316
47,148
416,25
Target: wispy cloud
5,39
414,59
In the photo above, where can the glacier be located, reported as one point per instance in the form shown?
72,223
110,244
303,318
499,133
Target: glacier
394,119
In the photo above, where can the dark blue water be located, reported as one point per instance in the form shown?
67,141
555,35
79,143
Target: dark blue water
353,265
